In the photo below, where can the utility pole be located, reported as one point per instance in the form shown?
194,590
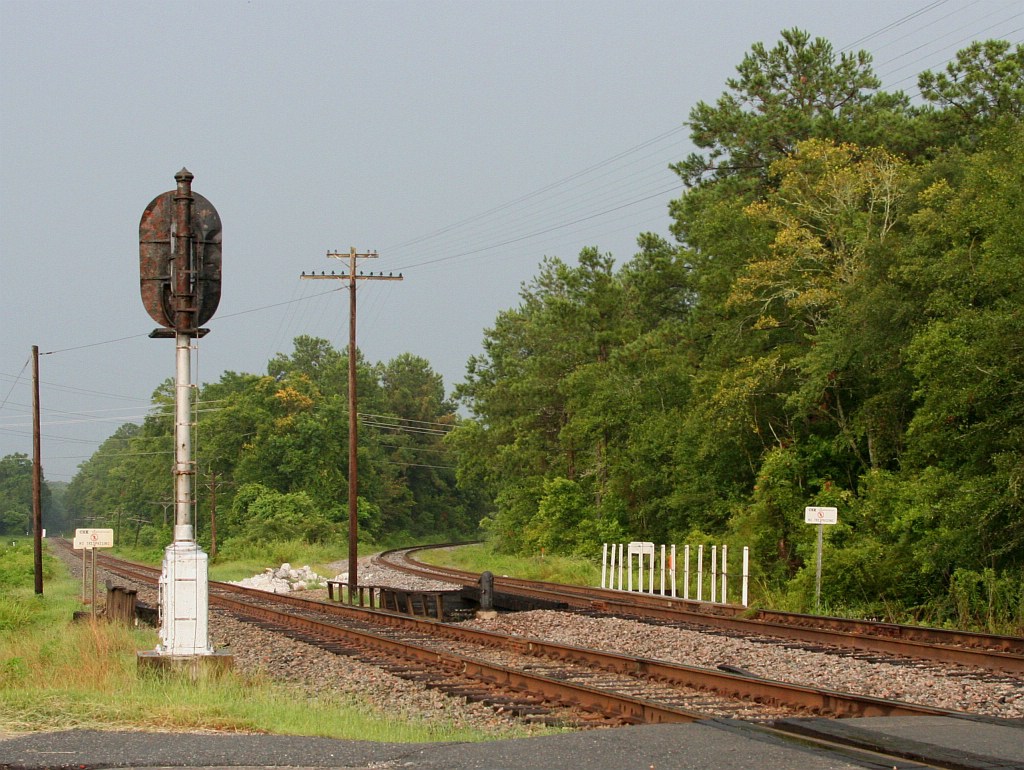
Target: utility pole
37,477
353,431
213,510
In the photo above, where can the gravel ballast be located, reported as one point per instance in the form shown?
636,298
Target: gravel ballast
314,673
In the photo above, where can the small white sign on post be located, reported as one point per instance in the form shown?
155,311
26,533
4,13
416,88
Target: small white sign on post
89,540
93,538
819,515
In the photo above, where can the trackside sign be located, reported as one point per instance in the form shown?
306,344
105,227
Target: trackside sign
93,538
819,515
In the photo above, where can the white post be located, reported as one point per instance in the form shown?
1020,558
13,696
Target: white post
714,572
672,570
725,573
604,563
640,572
620,566
686,572
183,439
611,570
629,572
184,608
650,573
746,572
700,572
662,569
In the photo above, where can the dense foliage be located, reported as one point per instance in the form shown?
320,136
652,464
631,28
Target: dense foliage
839,322
16,498
272,458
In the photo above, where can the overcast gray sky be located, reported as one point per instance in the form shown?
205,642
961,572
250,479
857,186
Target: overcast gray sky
462,140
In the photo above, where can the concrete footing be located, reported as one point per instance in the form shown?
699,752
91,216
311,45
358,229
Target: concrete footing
195,668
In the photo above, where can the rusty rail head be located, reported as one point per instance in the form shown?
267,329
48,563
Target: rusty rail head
180,258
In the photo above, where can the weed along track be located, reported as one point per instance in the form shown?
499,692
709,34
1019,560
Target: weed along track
517,673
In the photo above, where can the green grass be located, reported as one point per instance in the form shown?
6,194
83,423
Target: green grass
482,557
56,674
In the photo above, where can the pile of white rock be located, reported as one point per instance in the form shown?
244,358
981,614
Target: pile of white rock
284,579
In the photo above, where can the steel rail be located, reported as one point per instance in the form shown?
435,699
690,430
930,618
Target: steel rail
624,707
813,699
1000,653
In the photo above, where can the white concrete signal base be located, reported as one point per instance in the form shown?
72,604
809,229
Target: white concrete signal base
184,613
184,597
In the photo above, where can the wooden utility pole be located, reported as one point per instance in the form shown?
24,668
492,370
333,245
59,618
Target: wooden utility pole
213,511
353,432
37,477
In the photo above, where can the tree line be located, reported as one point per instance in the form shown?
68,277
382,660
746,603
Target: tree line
271,457
837,322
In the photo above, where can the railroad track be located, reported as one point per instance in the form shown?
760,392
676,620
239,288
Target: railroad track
987,651
527,673
556,684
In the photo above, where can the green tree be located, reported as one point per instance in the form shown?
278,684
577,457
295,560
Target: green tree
15,494
967,358
984,82
797,90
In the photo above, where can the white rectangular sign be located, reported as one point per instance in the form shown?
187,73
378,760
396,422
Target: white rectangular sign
93,538
818,515
640,547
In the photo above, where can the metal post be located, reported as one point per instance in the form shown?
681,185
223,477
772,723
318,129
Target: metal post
725,573
662,569
686,572
93,581
700,573
650,573
672,570
714,570
604,563
182,439
746,573
620,565
817,571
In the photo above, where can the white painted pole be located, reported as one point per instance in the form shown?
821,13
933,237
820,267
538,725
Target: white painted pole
650,573
700,572
725,573
629,572
714,572
620,566
611,567
662,569
672,570
746,572
686,572
604,563
183,439
184,609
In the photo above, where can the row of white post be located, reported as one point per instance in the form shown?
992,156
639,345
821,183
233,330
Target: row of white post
617,566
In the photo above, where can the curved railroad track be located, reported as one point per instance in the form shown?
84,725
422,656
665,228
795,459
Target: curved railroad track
992,652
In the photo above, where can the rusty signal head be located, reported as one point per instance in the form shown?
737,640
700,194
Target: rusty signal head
180,258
